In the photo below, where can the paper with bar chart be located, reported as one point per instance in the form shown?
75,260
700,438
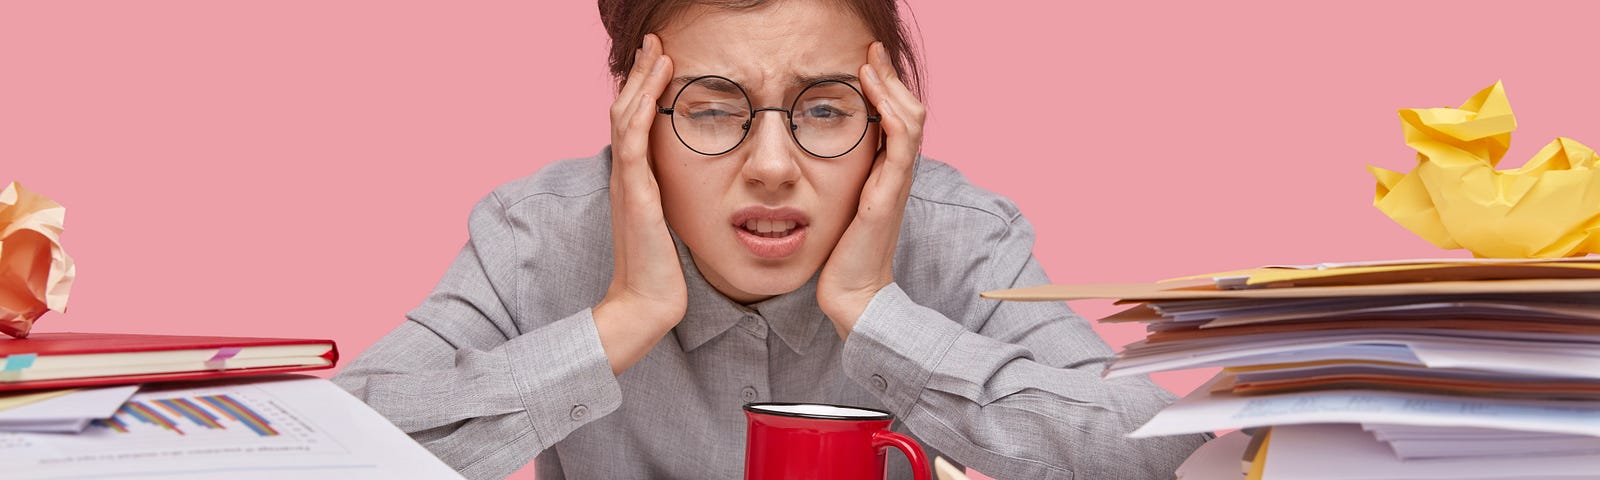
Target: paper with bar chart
301,427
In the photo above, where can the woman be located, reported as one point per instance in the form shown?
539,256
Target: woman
773,236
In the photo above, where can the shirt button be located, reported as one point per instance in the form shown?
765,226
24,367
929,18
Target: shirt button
579,412
749,394
754,325
879,383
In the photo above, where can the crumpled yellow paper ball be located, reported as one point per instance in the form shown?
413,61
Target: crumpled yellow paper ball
1455,198
35,274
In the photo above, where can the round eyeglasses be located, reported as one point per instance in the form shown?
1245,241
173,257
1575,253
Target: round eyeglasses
712,115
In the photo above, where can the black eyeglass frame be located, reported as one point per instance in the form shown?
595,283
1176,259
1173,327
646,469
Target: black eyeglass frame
788,115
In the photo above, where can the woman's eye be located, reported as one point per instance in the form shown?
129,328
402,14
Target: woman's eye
713,113
708,114
825,112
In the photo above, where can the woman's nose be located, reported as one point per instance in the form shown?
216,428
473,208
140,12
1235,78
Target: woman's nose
772,155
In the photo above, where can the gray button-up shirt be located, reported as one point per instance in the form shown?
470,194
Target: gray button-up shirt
502,362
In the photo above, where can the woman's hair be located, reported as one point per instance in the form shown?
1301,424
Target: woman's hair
628,21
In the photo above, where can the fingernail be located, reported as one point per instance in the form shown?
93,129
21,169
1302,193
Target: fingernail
883,53
872,74
661,63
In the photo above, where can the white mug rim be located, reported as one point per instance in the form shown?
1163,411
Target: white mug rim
797,411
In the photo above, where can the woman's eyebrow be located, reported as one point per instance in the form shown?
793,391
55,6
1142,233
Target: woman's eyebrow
727,86
681,80
803,81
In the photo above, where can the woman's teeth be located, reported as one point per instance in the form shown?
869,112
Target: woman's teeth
769,228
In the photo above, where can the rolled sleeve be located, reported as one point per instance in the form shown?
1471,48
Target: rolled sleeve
564,376
895,346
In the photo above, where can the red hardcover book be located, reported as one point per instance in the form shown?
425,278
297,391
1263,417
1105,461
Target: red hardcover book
62,360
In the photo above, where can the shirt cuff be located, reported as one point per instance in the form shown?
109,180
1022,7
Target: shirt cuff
564,376
895,346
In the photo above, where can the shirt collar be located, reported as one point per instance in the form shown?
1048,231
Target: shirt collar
794,316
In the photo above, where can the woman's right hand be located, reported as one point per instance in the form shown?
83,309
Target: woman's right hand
647,295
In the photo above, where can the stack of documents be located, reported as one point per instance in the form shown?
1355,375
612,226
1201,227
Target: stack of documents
1447,368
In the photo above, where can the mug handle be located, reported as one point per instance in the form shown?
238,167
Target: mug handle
919,461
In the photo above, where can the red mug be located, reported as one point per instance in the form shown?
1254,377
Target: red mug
815,441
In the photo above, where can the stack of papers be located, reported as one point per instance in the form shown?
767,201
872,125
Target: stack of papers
1452,368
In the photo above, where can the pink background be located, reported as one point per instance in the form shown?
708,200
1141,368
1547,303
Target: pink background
305,168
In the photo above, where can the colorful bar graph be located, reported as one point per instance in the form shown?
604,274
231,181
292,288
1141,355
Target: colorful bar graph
183,407
112,423
147,415
207,412
240,412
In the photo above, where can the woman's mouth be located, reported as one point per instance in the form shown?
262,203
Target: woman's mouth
770,232
770,228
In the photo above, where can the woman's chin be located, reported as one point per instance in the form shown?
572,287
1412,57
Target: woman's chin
758,282
772,282
749,278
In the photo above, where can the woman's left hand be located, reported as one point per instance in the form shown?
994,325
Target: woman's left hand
861,263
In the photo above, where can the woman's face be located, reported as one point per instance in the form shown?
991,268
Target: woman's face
768,183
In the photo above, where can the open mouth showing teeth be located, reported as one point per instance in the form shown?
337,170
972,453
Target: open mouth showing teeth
770,228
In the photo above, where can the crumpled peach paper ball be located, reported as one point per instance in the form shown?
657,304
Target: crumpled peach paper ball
35,273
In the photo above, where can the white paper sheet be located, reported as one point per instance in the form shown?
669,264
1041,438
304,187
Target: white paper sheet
68,413
1218,459
1457,448
1387,432
1203,411
1344,452
297,427
1573,360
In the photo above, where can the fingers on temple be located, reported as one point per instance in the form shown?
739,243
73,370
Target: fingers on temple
902,131
634,140
878,57
644,59
901,115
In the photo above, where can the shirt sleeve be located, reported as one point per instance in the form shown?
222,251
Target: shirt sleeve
462,379
1012,389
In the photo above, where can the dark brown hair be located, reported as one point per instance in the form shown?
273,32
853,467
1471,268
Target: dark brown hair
628,21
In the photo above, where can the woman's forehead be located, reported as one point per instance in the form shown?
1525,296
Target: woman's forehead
792,82
775,46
